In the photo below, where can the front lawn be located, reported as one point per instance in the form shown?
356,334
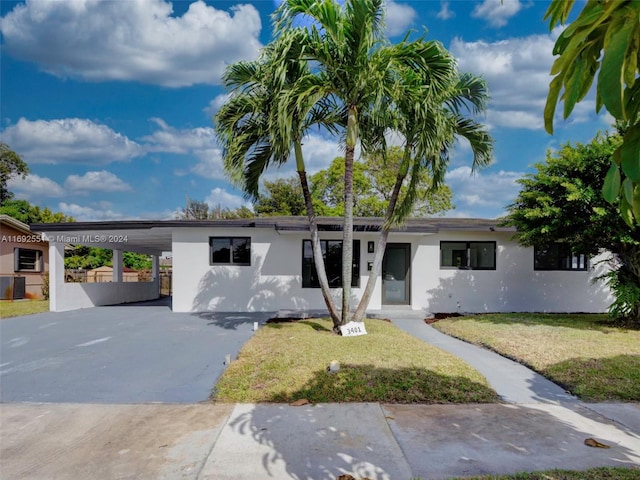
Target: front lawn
22,307
587,354
285,362
601,473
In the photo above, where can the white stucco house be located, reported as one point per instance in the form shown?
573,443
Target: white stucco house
265,264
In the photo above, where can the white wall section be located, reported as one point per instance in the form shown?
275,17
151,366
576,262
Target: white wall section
273,281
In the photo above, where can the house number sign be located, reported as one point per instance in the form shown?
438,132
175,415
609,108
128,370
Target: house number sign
353,329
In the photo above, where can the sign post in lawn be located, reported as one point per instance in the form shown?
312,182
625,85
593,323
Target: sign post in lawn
353,329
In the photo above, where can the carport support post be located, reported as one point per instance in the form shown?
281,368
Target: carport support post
56,275
117,265
155,272
155,267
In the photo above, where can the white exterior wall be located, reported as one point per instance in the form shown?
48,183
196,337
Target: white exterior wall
514,286
272,282
274,279
65,296
71,296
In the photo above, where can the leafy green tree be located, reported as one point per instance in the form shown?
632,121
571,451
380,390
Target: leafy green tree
603,39
11,165
81,256
327,190
562,202
373,181
194,210
281,197
136,261
25,212
85,257
218,212
199,210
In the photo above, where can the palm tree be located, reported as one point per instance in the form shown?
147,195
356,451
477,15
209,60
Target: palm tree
343,74
353,63
429,121
257,129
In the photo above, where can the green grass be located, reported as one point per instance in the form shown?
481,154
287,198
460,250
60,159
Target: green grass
589,355
601,473
22,307
288,361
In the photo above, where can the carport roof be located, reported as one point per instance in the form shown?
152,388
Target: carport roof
154,236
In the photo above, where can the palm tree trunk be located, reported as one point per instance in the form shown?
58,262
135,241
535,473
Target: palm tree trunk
318,260
347,229
382,241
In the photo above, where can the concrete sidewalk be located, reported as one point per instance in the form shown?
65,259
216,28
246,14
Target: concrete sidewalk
395,442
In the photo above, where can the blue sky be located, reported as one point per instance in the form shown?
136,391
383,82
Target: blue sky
110,101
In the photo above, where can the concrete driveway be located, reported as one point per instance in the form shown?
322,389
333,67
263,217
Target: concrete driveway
137,353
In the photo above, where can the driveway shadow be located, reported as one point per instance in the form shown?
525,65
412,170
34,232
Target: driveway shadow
234,320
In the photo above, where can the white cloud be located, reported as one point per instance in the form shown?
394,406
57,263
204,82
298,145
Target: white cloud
517,73
34,186
100,181
608,120
173,140
445,12
319,152
137,40
69,140
399,17
497,12
197,142
216,103
221,197
515,119
86,214
484,194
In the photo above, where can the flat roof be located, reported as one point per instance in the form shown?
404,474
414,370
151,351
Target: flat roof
154,236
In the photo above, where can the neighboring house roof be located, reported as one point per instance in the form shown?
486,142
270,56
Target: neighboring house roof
12,222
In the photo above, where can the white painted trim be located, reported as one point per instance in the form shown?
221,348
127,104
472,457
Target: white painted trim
117,265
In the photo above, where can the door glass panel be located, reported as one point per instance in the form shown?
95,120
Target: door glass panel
395,275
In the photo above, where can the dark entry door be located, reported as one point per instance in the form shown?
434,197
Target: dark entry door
396,277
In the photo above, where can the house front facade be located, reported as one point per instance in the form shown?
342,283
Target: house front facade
430,265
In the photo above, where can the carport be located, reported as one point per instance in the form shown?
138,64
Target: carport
147,237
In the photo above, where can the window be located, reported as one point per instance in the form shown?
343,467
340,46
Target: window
230,250
468,255
27,260
332,254
558,256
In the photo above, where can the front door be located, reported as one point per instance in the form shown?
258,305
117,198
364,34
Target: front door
396,277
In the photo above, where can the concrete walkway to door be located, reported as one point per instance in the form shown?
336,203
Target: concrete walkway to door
514,382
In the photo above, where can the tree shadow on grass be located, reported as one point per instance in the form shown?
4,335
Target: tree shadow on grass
367,383
316,326
233,320
599,379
